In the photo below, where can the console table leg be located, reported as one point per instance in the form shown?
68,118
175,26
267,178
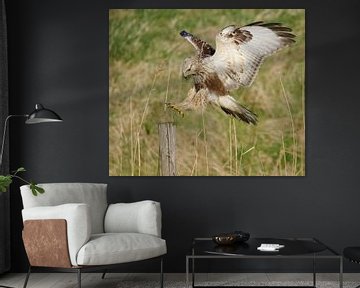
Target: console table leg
193,272
187,272
341,273
314,271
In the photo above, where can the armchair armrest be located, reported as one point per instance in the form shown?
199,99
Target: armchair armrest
138,217
77,219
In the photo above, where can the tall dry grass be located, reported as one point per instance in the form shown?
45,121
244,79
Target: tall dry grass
146,54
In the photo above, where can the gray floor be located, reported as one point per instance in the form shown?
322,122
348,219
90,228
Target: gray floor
119,280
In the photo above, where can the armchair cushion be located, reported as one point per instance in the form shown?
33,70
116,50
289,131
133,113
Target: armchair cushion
78,221
93,194
113,248
138,217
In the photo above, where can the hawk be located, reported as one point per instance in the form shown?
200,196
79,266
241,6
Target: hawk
234,64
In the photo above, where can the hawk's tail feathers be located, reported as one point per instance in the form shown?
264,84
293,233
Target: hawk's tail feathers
230,106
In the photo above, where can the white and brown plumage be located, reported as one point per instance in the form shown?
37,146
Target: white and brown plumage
234,64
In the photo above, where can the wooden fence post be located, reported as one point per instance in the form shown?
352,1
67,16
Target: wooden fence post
167,149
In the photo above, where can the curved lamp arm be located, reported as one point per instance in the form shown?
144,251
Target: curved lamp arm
4,134
39,115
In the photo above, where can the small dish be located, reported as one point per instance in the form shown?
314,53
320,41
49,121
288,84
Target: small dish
225,239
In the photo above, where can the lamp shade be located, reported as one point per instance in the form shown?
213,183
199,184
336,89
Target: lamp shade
42,115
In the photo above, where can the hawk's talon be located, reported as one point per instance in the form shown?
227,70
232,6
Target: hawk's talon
174,107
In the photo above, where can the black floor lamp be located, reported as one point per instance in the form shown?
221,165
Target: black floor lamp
39,115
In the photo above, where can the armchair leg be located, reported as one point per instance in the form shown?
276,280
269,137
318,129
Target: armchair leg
79,277
161,273
103,275
27,277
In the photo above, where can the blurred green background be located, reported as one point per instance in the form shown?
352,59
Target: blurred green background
145,59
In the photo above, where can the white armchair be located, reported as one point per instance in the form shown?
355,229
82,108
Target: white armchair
72,228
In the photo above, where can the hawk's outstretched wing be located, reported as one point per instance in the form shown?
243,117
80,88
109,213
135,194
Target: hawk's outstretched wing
241,50
203,48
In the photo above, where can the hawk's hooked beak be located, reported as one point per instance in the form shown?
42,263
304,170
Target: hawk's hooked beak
187,75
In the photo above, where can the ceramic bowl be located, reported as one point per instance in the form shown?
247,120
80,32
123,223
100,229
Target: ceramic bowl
225,239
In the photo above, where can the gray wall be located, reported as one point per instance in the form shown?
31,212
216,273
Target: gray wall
59,57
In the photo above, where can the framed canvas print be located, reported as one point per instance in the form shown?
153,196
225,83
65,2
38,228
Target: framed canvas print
207,92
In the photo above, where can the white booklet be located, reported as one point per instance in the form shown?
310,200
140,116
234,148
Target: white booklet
270,247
